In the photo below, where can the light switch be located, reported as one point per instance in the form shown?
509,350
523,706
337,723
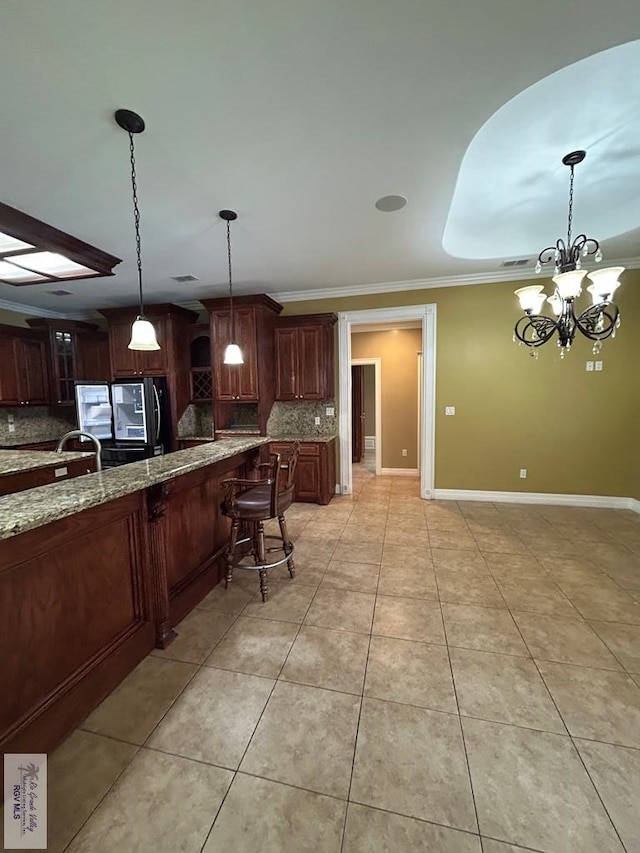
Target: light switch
599,365
330,411
317,420
449,410
11,427
589,366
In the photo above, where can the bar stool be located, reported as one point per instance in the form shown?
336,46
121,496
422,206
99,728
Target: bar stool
249,503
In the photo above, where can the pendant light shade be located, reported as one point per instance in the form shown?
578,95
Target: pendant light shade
143,335
232,353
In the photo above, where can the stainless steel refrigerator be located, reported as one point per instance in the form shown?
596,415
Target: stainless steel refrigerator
129,416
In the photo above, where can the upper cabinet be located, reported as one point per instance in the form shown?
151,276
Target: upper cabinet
92,353
304,357
200,364
253,381
236,381
24,378
127,362
173,329
69,345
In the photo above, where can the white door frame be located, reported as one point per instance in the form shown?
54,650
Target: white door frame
427,316
377,366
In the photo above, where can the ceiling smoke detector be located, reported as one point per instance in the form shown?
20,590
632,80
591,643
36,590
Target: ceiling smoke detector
184,278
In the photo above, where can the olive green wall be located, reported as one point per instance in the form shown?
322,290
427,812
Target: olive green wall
398,351
575,432
12,318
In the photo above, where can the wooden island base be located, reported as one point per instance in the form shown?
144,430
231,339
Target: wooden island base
85,598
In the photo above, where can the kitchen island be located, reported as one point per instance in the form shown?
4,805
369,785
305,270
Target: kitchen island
95,572
26,469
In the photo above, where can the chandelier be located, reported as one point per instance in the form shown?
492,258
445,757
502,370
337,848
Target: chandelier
599,320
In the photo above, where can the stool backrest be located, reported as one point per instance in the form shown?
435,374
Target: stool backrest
284,470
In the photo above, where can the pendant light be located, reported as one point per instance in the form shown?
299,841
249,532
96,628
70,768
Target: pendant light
143,335
233,353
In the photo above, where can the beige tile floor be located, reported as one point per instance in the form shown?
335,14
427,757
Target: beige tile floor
444,677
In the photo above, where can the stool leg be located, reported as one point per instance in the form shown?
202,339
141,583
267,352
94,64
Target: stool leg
231,551
288,545
261,560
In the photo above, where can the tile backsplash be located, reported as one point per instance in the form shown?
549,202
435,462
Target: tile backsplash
36,423
299,418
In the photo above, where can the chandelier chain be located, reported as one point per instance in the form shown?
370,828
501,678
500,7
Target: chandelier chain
136,215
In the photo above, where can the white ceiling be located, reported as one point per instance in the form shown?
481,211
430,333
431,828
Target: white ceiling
296,113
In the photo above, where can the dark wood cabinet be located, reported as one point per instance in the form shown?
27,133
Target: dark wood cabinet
71,345
235,381
127,362
316,470
253,381
200,364
304,357
23,368
92,352
173,330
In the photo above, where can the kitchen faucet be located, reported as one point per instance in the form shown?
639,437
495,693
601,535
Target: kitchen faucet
76,433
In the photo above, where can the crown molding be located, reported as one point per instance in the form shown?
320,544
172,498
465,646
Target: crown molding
494,277
34,311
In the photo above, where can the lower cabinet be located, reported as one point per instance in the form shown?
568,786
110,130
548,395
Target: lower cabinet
316,471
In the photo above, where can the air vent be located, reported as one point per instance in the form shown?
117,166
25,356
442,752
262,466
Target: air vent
519,263
61,292
183,278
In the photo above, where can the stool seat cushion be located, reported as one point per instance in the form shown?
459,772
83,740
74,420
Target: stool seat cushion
255,504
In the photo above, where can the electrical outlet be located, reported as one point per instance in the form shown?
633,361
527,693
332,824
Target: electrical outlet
589,366
599,365
317,420
449,410
523,473
11,427
331,412
10,419
404,451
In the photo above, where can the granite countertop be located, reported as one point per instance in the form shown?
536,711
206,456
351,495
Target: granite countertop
36,507
306,438
16,461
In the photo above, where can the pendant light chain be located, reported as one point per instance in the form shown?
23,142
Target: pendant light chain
233,330
136,216
570,218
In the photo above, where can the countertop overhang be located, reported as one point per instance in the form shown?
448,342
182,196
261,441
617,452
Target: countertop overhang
36,507
17,461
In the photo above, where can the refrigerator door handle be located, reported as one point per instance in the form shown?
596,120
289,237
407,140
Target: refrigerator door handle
159,416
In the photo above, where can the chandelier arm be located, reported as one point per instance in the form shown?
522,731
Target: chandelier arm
539,328
598,322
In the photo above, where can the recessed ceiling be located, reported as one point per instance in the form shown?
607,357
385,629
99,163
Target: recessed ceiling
275,110
513,168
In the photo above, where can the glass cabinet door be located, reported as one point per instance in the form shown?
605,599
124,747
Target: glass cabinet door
64,367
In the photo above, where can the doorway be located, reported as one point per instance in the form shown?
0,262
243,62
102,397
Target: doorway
366,405
426,315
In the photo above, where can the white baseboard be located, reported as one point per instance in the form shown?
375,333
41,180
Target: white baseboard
598,501
369,442
399,472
